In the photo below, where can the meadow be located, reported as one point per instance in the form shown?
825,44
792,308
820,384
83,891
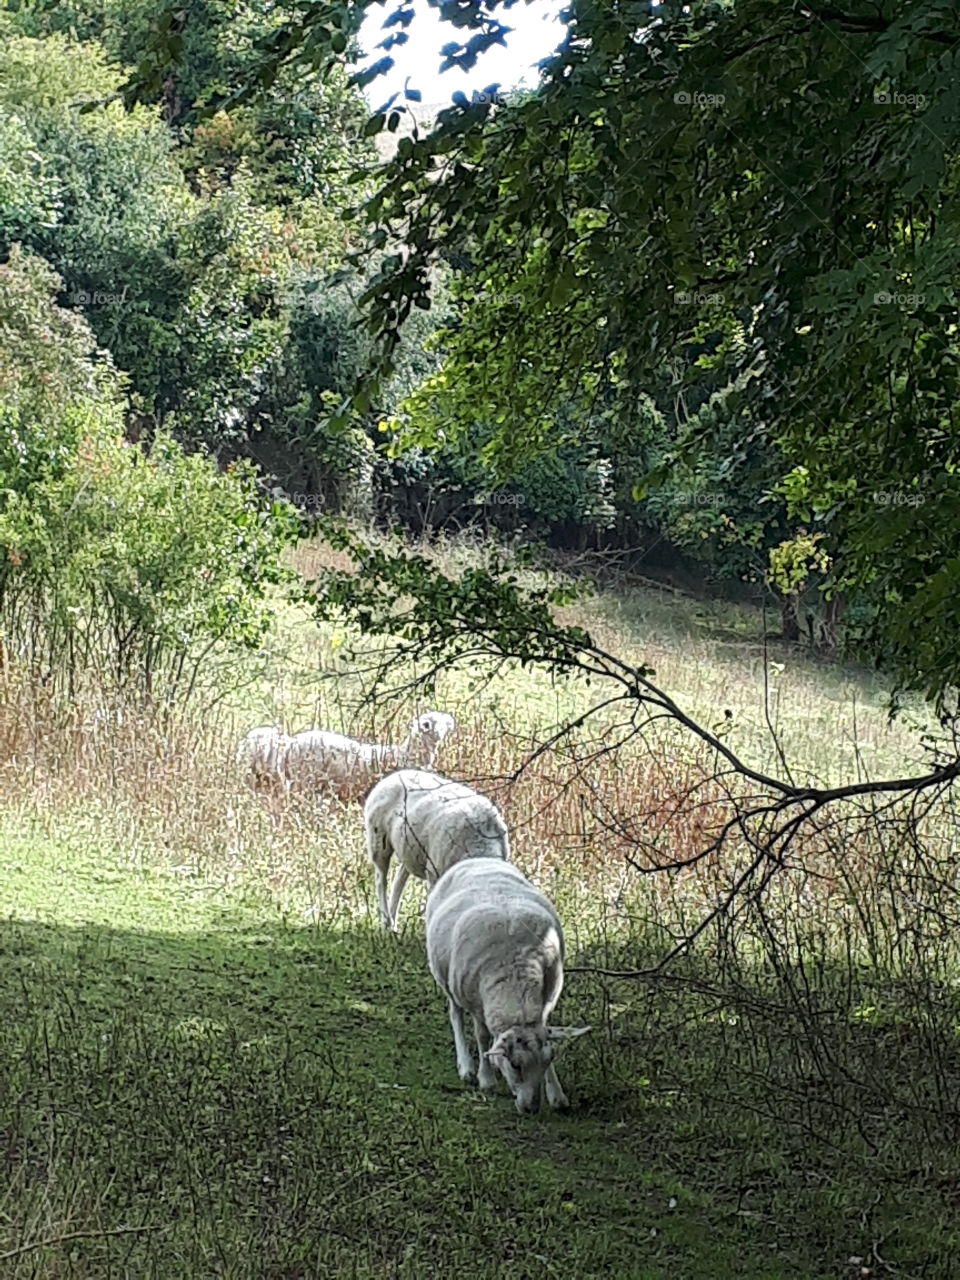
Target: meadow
213,1063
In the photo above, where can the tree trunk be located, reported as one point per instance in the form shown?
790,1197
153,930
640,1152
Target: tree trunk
789,622
834,609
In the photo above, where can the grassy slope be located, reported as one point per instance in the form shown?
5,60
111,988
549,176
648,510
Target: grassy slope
267,1099
831,719
204,1038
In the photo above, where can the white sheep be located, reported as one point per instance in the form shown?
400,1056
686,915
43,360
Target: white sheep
495,948
322,759
430,823
262,753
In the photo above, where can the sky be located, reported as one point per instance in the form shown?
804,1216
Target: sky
536,33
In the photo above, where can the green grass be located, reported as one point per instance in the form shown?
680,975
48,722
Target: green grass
267,1099
212,1063
259,1097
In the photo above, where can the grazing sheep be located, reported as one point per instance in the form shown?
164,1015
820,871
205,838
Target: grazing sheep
430,823
495,948
262,754
347,767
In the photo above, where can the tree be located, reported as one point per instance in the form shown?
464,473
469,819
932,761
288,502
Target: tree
779,176
189,291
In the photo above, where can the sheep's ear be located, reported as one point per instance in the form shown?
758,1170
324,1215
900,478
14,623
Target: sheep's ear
566,1033
497,1058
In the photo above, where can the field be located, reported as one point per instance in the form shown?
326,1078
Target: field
212,1063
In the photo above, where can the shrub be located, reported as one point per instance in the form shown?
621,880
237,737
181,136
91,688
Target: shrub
127,564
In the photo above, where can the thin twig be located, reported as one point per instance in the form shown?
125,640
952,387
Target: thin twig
47,1241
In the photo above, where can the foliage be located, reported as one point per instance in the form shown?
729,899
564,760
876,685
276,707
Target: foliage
792,561
47,353
193,291
709,488
571,484
28,194
301,139
659,222
439,617
781,180
131,564
587,477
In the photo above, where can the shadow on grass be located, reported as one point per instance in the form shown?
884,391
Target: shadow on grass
283,1103
278,1102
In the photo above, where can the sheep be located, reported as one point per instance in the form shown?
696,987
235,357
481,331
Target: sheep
320,758
262,753
495,948
429,822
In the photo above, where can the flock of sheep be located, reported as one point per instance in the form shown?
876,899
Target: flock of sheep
494,941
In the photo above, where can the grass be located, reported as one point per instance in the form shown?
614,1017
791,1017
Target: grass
831,719
260,1098
213,1064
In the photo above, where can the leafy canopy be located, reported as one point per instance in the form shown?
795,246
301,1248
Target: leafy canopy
782,177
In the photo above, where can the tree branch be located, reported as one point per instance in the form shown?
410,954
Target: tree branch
861,24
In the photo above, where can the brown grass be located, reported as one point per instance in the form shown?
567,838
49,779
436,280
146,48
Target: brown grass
588,818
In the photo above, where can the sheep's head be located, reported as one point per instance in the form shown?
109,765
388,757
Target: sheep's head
522,1056
432,727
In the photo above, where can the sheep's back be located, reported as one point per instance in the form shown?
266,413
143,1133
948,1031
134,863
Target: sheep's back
432,822
319,754
452,827
479,914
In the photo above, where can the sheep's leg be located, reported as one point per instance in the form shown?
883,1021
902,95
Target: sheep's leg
464,1057
401,878
486,1076
379,853
555,1095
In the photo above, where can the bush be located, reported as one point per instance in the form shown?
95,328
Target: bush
124,564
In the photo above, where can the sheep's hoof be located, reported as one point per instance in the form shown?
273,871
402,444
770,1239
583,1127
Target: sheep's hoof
468,1078
487,1083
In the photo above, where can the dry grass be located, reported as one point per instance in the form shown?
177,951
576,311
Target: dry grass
604,805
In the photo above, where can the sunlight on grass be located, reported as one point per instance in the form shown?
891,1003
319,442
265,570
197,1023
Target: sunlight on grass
205,1038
